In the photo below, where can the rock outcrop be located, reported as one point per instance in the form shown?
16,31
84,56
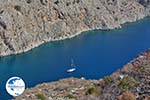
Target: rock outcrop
146,4
25,24
129,83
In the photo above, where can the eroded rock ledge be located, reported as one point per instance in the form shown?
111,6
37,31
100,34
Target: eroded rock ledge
25,24
129,83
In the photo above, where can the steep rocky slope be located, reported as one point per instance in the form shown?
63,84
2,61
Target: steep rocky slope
132,82
146,4
25,24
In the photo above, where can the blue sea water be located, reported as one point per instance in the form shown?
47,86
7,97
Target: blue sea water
96,54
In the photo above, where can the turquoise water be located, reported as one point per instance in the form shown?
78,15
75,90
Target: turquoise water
95,53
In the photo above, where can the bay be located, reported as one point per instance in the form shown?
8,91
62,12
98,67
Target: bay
96,54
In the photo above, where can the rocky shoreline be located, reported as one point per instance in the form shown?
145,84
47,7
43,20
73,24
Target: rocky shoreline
128,83
26,24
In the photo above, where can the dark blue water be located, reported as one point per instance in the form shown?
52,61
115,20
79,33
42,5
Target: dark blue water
96,54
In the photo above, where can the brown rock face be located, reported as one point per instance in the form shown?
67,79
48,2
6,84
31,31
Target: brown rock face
127,96
148,98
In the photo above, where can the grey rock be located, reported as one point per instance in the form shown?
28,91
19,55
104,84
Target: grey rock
25,24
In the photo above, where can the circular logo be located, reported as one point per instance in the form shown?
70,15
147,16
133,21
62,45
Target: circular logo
15,86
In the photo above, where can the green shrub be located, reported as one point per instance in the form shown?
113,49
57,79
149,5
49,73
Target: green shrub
41,96
70,96
91,90
128,83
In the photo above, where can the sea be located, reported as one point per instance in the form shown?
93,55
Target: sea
95,54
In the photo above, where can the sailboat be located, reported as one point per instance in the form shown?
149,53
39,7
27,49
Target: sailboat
72,69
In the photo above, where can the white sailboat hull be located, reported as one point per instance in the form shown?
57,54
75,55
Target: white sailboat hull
71,70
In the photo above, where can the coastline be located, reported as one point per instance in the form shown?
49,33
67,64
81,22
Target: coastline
30,26
66,37
26,26
135,72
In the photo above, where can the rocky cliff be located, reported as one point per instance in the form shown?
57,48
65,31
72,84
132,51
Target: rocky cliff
146,4
25,24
